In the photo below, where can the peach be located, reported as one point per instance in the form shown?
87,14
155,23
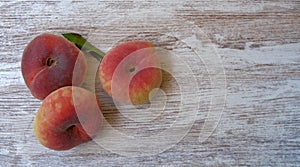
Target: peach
48,63
69,116
130,71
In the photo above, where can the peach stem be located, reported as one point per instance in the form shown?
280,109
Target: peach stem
84,45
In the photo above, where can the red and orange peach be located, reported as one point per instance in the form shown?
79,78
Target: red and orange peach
67,117
130,71
49,62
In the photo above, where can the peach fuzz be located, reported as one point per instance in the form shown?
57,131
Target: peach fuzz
137,73
67,117
49,62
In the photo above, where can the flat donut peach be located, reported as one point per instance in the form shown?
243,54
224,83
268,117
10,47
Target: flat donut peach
50,62
67,117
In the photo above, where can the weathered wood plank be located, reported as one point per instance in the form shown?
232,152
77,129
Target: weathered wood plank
257,41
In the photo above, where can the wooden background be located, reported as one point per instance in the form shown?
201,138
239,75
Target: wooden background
258,42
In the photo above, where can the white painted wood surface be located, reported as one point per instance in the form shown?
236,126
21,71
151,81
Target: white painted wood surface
258,43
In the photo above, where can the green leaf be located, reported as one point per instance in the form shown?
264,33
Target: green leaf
84,45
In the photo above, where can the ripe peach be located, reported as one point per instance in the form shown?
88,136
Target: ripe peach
69,116
130,71
48,63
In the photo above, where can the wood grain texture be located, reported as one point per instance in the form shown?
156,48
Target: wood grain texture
257,41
